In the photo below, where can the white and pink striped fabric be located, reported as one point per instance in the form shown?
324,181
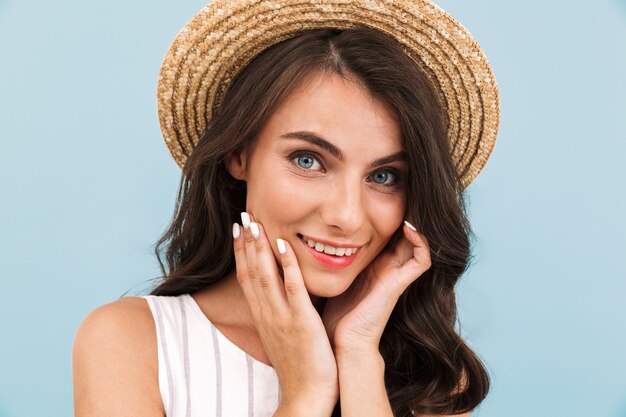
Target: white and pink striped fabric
201,372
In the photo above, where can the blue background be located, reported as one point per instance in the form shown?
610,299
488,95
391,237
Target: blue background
87,187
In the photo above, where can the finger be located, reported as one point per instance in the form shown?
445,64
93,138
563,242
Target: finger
420,260
241,267
295,290
268,277
251,261
403,250
421,250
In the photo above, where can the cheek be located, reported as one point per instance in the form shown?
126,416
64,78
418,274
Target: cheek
279,200
386,225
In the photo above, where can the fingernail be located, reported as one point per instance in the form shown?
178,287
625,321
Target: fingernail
410,226
281,245
236,231
254,228
245,220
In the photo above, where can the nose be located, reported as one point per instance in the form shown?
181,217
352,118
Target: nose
344,207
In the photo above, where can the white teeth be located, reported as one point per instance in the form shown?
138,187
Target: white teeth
331,250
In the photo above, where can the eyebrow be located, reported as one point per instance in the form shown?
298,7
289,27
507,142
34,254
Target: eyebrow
322,143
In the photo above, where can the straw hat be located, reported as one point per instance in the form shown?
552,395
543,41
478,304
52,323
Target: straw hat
226,35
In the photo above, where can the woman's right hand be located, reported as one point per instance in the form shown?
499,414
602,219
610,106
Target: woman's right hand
290,328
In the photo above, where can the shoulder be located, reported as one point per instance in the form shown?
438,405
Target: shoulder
115,363
125,311
124,323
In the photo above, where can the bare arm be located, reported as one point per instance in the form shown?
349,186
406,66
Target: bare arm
362,385
357,318
114,362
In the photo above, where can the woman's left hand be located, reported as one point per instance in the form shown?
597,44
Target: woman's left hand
355,320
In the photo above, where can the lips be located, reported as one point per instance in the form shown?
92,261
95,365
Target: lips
328,260
330,249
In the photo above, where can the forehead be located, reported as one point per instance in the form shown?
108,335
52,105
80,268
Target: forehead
339,110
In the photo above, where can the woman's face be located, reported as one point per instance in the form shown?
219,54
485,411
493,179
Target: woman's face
327,166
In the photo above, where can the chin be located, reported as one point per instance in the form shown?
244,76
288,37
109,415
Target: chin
327,288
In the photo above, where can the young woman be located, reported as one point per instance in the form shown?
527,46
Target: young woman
320,225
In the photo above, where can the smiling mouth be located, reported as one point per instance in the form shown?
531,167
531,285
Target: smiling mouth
334,262
328,249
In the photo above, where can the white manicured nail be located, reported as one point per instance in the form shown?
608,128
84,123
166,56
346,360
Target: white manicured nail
236,231
410,226
254,229
245,220
281,245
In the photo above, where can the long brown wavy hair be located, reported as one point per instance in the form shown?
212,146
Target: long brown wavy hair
429,369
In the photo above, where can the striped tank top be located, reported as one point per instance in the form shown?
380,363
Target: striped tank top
201,372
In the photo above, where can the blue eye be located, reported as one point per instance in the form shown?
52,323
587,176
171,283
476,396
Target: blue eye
381,177
306,161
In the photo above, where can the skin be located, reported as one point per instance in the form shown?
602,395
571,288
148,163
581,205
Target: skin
349,212
308,315
319,329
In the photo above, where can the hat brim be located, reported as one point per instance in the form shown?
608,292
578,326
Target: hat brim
226,35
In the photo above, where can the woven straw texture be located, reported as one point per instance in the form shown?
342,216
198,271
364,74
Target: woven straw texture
226,35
